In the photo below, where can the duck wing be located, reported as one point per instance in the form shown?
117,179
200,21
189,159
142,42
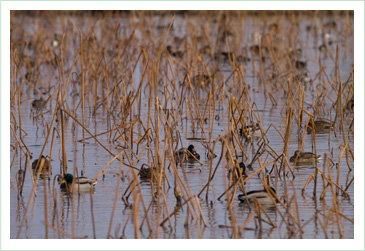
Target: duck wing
84,180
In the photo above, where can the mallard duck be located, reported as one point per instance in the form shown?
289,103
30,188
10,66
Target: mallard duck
45,165
320,126
304,157
238,170
261,195
300,64
145,173
80,184
205,50
57,38
256,49
174,53
187,154
295,53
38,104
200,80
243,59
252,130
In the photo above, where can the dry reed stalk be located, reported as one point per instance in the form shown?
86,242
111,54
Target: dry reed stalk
247,221
64,158
344,216
20,118
327,178
200,211
33,193
296,209
20,191
17,140
93,136
186,190
55,207
338,167
60,230
34,88
348,185
14,153
92,214
115,198
247,178
135,206
211,174
45,204
82,82
145,211
334,198
68,80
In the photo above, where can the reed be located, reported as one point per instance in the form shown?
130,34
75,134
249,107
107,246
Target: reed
130,82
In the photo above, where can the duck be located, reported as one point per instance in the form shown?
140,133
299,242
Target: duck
80,184
300,65
174,53
45,165
206,50
252,130
38,104
239,169
243,59
200,80
187,154
304,157
262,196
320,126
145,173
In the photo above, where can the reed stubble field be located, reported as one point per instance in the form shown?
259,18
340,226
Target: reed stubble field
119,97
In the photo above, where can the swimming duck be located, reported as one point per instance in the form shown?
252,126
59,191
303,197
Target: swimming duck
206,50
174,53
80,184
45,165
145,173
57,38
252,130
187,154
256,49
262,196
239,170
200,80
304,157
38,104
243,59
300,65
320,126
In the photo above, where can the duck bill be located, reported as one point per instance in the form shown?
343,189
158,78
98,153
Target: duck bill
62,181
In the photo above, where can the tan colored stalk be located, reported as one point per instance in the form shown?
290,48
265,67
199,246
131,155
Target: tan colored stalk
115,199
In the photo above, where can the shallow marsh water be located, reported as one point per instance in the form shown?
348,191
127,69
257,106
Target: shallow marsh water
74,214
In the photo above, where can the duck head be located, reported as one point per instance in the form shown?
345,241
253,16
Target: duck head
242,168
296,153
68,178
191,149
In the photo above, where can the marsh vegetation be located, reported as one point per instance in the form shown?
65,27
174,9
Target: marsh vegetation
119,97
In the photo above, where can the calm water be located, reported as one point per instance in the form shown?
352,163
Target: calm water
314,214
